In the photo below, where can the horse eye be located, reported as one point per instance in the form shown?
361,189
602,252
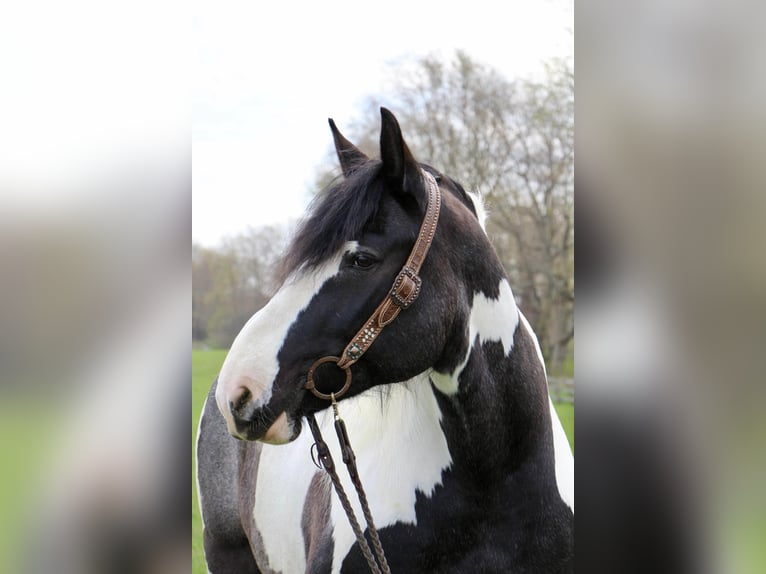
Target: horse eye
363,261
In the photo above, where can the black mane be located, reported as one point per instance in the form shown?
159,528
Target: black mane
337,214
341,211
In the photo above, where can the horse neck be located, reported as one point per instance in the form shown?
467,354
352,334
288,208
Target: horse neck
494,405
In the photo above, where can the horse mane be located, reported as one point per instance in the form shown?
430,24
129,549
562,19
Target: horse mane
336,215
340,212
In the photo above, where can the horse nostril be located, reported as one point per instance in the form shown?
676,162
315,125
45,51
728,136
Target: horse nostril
241,401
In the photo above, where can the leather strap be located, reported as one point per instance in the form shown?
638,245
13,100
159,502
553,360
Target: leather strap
403,292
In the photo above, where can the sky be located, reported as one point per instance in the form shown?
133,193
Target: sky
268,75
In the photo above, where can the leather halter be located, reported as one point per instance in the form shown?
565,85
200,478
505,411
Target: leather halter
403,292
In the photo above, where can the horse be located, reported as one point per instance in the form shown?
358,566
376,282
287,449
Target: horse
464,461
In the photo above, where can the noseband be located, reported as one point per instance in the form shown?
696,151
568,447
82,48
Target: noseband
402,294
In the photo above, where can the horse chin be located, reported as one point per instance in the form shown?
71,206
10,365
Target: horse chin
282,431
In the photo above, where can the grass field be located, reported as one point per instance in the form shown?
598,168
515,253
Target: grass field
205,367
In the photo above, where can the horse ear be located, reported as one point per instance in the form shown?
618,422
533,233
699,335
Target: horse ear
399,166
349,155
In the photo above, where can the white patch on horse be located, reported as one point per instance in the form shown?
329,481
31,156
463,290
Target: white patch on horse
391,474
561,449
481,210
490,320
532,334
379,422
252,360
564,459
284,477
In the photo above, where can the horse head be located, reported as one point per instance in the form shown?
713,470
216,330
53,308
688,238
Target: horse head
340,266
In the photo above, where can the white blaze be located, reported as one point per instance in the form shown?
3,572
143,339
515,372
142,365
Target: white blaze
252,360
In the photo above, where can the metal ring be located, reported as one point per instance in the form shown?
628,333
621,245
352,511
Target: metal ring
312,387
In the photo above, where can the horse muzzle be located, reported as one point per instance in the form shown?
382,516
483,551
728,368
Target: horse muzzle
248,421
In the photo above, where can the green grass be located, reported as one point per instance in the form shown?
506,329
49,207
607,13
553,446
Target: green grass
28,425
565,369
566,415
205,367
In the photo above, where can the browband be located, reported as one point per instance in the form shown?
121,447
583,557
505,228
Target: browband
403,293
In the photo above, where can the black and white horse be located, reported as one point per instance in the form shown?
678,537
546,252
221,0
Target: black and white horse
464,461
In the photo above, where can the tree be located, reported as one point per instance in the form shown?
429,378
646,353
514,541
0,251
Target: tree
513,141
202,283
233,281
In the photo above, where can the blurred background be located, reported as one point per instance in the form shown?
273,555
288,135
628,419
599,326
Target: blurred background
95,221
103,106
670,286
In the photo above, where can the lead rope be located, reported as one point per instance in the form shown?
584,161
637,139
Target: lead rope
349,459
403,293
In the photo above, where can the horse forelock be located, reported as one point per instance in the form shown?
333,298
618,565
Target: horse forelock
342,210
337,214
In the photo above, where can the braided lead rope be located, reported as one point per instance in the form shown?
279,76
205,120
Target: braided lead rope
325,458
349,458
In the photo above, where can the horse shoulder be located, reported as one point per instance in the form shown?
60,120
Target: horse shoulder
227,548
